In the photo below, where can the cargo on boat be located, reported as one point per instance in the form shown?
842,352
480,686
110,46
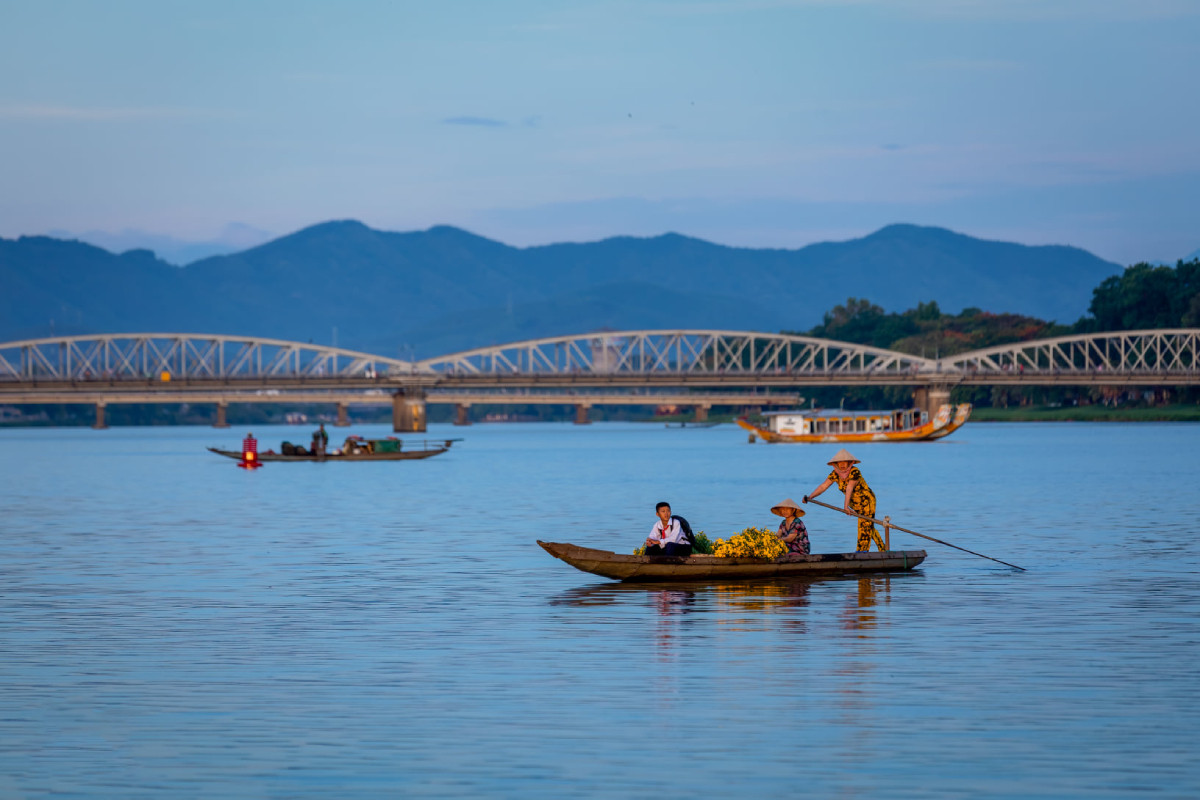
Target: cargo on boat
621,567
833,425
356,448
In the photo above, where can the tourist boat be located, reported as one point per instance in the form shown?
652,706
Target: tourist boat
841,426
356,449
704,567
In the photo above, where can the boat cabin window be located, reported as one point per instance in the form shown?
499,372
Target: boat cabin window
860,425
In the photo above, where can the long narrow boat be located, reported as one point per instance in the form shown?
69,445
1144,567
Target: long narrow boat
702,568
426,450
840,426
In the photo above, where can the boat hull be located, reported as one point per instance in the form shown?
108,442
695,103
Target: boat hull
403,455
941,425
633,568
962,413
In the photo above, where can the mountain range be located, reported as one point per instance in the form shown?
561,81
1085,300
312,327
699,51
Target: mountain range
423,293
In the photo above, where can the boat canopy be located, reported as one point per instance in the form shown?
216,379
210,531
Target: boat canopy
834,413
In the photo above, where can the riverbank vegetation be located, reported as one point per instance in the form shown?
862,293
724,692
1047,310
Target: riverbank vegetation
1174,412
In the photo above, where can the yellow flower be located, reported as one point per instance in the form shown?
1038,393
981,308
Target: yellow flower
750,543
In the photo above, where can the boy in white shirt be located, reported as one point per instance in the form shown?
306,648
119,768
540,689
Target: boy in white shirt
667,537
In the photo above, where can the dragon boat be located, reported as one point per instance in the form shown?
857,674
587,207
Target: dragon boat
839,426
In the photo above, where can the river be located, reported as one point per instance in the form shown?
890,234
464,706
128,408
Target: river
173,626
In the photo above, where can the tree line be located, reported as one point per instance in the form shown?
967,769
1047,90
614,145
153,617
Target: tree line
1143,296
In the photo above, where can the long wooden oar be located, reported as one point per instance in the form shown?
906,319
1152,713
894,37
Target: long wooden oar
808,499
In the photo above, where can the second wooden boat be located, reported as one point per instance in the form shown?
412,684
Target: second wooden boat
368,450
621,567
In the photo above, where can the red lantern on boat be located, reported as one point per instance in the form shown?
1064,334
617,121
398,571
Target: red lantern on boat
249,453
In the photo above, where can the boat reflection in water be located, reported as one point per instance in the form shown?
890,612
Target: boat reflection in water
740,605
720,616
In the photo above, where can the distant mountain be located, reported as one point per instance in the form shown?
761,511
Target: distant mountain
444,289
233,238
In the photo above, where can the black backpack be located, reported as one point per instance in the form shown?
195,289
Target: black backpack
687,529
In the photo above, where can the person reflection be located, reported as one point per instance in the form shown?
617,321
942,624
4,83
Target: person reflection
861,616
669,603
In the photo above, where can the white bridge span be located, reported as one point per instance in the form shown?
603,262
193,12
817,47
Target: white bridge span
648,366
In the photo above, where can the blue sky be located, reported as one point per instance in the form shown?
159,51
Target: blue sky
759,123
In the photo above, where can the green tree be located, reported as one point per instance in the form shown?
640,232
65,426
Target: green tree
1146,296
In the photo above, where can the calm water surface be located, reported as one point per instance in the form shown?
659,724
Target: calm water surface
172,626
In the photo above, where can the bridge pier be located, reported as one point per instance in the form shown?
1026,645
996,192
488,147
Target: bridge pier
99,424
343,416
460,414
408,411
221,409
930,398
701,412
581,414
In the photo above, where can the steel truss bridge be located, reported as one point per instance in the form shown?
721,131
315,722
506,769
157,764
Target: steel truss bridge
698,368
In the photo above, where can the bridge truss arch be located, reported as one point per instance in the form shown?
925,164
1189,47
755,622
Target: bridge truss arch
673,353
1170,354
142,356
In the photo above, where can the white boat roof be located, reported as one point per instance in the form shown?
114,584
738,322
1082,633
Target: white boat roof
835,412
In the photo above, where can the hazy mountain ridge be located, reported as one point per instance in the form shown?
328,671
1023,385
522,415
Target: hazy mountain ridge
445,289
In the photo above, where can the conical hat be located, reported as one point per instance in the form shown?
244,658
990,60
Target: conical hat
842,455
789,503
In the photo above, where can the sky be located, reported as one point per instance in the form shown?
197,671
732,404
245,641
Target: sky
757,123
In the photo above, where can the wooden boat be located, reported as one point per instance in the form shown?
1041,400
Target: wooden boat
705,424
846,427
370,450
706,568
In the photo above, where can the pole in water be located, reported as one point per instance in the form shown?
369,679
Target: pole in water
889,524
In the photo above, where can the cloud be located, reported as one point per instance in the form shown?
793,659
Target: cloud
971,65
81,114
1009,10
481,122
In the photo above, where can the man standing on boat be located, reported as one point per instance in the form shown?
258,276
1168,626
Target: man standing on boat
667,537
320,441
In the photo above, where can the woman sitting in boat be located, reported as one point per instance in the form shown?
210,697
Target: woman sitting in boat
792,531
667,537
859,497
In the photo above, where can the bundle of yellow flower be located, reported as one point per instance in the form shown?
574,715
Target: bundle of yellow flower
751,543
